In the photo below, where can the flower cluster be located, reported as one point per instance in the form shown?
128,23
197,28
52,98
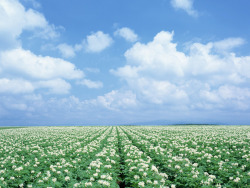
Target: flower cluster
130,156
197,155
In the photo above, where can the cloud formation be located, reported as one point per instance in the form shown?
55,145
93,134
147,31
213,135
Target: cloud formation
228,44
91,84
186,5
15,86
115,100
14,19
66,50
158,73
55,86
127,33
38,71
24,62
97,42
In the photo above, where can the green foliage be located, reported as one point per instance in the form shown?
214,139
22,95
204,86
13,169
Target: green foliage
125,156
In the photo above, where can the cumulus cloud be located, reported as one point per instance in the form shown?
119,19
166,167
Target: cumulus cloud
97,42
27,63
186,5
66,50
115,100
15,86
14,19
158,73
33,72
228,44
126,33
226,96
94,43
21,86
91,84
55,86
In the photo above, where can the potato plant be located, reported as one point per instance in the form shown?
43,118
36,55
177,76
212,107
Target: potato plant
125,156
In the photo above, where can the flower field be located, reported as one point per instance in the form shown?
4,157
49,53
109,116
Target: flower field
125,156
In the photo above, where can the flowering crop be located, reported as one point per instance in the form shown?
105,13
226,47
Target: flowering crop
126,156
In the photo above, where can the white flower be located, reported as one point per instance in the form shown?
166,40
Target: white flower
54,180
195,164
149,181
237,179
212,176
136,177
19,168
195,176
154,168
177,167
109,178
172,186
141,184
76,184
88,184
103,182
67,178
103,176
107,166
218,185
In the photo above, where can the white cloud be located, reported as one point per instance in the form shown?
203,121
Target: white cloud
15,86
226,96
97,42
21,86
91,84
116,100
56,86
228,44
37,72
14,19
26,63
158,73
127,34
66,50
186,5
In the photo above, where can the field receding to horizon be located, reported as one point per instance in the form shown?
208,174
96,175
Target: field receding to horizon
125,156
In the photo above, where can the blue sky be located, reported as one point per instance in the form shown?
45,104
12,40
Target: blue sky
124,62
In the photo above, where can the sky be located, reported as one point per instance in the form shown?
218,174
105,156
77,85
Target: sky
112,62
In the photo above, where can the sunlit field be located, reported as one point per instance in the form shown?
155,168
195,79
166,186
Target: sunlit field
125,156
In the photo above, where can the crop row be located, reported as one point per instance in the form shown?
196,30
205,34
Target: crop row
138,168
194,158
48,156
124,156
